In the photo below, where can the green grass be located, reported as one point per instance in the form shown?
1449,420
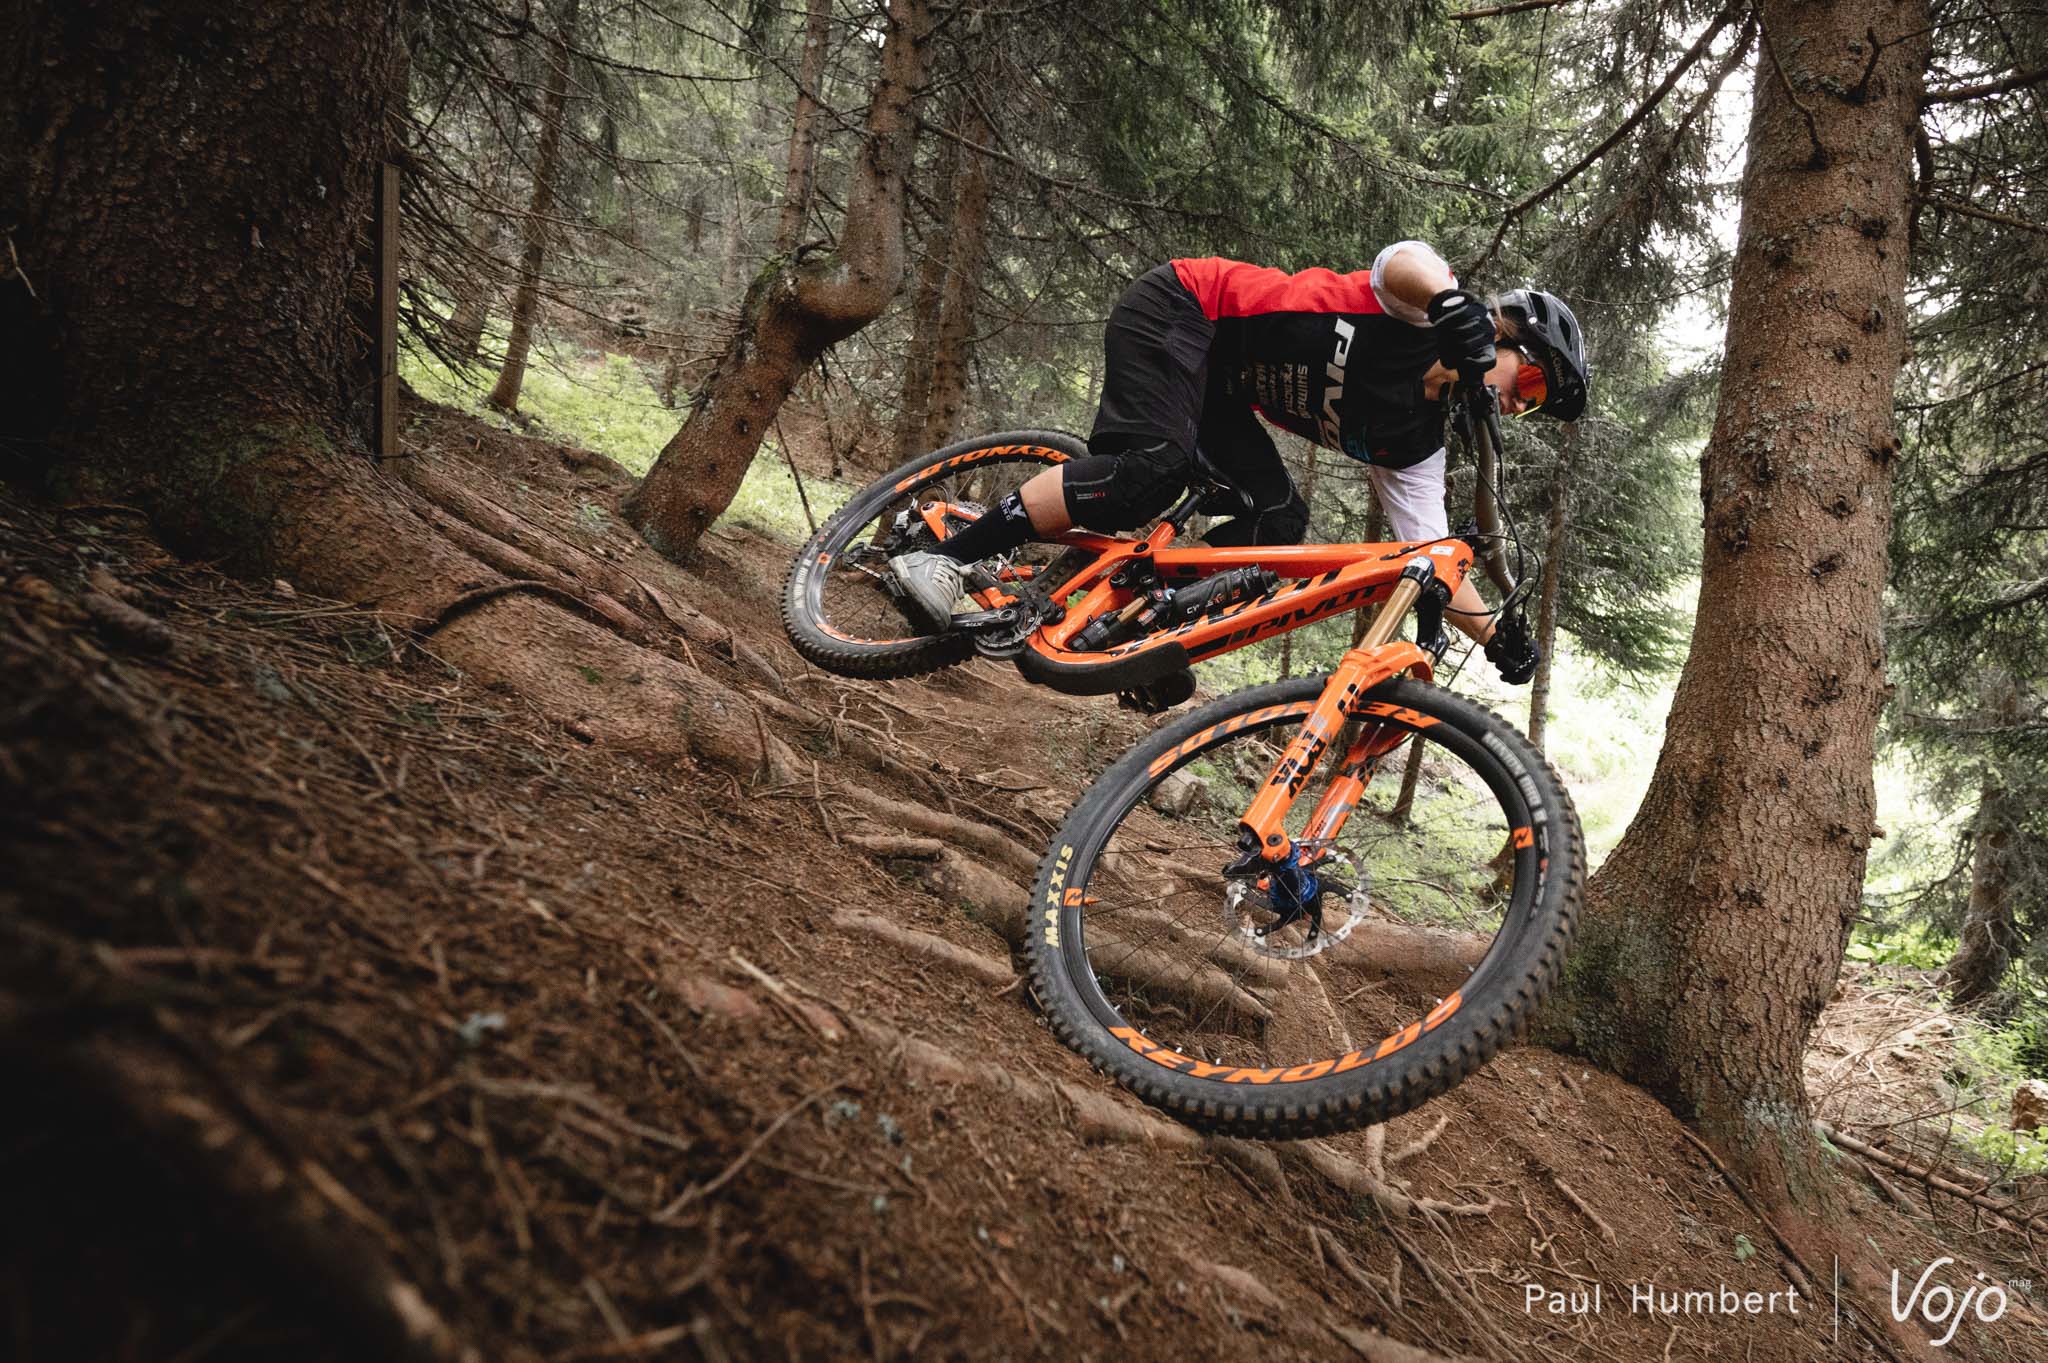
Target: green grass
603,401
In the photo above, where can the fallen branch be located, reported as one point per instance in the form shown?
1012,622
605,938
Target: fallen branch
1466,16
2010,1212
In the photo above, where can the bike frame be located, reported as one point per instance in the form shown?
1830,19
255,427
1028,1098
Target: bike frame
1317,581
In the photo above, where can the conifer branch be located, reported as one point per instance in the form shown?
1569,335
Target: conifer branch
1955,94
1613,139
1463,16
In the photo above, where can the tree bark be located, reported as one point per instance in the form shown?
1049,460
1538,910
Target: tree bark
803,140
463,332
195,345
217,377
914,399
1990,935
793,312
967,238
1546,586
1713,934
547,166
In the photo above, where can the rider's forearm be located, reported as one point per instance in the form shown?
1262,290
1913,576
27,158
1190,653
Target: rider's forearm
1470,613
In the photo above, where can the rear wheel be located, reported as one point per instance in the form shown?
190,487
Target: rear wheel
838,605
1195,992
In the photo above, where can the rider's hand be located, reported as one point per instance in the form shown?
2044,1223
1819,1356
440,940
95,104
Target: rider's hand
1464,334
1512,650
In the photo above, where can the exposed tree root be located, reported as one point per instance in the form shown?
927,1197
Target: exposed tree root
1001,847
989,896
495,532
985,968
1860,1274
1377,1348
609,690
1352,1177
869,747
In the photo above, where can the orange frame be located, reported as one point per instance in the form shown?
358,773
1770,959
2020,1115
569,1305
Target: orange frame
1318,581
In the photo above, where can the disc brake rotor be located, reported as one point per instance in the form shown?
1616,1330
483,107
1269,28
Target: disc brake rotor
1246,908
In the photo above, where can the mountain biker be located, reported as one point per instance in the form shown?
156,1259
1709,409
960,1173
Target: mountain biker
1357,362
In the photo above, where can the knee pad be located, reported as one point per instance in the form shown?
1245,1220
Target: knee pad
1283,524
1119,491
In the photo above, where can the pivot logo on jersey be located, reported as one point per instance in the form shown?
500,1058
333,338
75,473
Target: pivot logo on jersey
1334,394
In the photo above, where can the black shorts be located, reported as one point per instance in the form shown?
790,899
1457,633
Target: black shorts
1155,354
1157,385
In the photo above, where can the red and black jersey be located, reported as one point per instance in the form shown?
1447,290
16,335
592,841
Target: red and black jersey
1317,353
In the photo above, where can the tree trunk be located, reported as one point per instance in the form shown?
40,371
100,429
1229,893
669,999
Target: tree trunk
1546,586
793,312
463,332
735,242
914,399
1713,934
967,250
1990,935
547,164
803,140
219,378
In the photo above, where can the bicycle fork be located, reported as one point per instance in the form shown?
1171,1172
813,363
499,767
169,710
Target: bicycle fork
1375,659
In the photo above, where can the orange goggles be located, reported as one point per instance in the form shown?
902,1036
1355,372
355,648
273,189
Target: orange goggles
1532,385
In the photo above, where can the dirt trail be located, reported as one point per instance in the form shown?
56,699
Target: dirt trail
349,996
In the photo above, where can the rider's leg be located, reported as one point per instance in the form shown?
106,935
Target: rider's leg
1105,491
1237,443
1413,499
1156,357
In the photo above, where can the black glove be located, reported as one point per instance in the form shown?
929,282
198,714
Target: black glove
1464,334
1512,650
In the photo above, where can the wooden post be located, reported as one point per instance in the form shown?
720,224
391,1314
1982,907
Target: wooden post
384,355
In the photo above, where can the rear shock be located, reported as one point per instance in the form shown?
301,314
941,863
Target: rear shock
1160,607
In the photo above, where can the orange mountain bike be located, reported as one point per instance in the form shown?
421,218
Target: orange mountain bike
1193,927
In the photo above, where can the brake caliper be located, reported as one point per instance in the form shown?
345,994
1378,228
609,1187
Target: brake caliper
1292,888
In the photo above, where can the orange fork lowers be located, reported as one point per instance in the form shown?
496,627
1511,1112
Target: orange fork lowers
1373,661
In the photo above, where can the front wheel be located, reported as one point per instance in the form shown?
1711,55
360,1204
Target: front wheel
1208,999
840,607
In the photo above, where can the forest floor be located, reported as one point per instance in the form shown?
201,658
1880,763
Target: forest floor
338,985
